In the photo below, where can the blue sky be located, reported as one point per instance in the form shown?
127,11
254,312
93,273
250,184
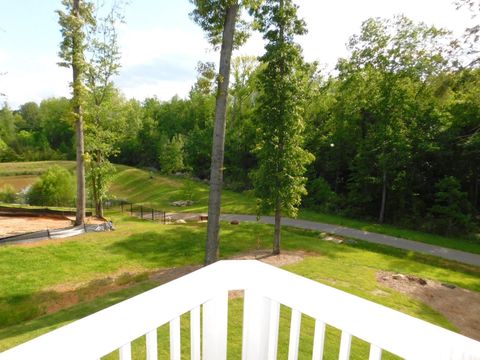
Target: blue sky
161,45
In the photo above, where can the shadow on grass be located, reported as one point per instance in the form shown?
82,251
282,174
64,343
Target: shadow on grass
174,247
52,321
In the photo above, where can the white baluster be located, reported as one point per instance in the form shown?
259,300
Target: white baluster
273,330
215,324
294,335
151,343
126,352
375,353
318,340
195,340
175,349
345,345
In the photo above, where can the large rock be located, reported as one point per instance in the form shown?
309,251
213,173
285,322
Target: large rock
182,203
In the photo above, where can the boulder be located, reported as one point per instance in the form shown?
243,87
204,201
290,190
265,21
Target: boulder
182,203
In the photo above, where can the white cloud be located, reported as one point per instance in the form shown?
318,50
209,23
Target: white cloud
162,89
36,80
146,45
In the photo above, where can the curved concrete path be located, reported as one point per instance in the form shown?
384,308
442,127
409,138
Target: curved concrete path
446,253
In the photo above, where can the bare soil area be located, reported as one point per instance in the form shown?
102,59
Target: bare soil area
14,225
65,295
460,306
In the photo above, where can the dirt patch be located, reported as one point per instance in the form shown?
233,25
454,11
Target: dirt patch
460,306
14,225
283,259
65,295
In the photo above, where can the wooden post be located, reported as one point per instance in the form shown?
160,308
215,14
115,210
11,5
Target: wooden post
141,211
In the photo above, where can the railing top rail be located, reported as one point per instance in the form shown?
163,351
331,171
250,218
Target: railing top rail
117,325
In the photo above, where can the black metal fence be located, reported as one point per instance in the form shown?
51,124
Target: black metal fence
138,210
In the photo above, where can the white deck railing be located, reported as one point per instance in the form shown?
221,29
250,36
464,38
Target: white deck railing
205,293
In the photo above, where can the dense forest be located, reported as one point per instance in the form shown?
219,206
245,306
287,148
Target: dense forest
394,130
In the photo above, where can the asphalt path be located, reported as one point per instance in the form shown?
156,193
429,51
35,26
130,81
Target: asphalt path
446,253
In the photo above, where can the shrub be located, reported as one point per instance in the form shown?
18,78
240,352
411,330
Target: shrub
56,187
320,196
8,194
451,212
170,155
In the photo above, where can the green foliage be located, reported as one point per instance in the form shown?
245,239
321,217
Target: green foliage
171,154
320,196
279,180
74,25
210,15
451,212
8,194
56,187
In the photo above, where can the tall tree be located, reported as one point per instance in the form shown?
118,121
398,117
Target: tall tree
103,64
73,20
391,64
220,20
279,181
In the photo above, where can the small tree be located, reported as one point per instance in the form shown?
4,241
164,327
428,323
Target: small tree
8,194
451,212
170,155
279,181
56,187
103,107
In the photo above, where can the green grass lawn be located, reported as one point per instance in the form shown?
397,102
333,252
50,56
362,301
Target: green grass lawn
30,276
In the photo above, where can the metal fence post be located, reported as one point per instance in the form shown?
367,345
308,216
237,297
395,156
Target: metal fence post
131,209
153,215
141,211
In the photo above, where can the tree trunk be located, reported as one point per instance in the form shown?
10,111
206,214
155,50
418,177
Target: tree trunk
76,69
216,171
278,228
381,217
278,203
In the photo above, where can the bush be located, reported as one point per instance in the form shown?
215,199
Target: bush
451,212
170,155
8,194
56,187
320,196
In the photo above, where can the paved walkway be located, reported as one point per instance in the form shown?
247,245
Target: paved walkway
450,254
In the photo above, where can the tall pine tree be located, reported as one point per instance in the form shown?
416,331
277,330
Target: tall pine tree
279,181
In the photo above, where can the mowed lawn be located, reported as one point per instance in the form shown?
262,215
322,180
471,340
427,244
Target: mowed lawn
32,278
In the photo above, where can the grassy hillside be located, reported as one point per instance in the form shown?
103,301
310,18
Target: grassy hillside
141,186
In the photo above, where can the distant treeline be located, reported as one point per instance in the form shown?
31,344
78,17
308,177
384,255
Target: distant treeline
395,132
